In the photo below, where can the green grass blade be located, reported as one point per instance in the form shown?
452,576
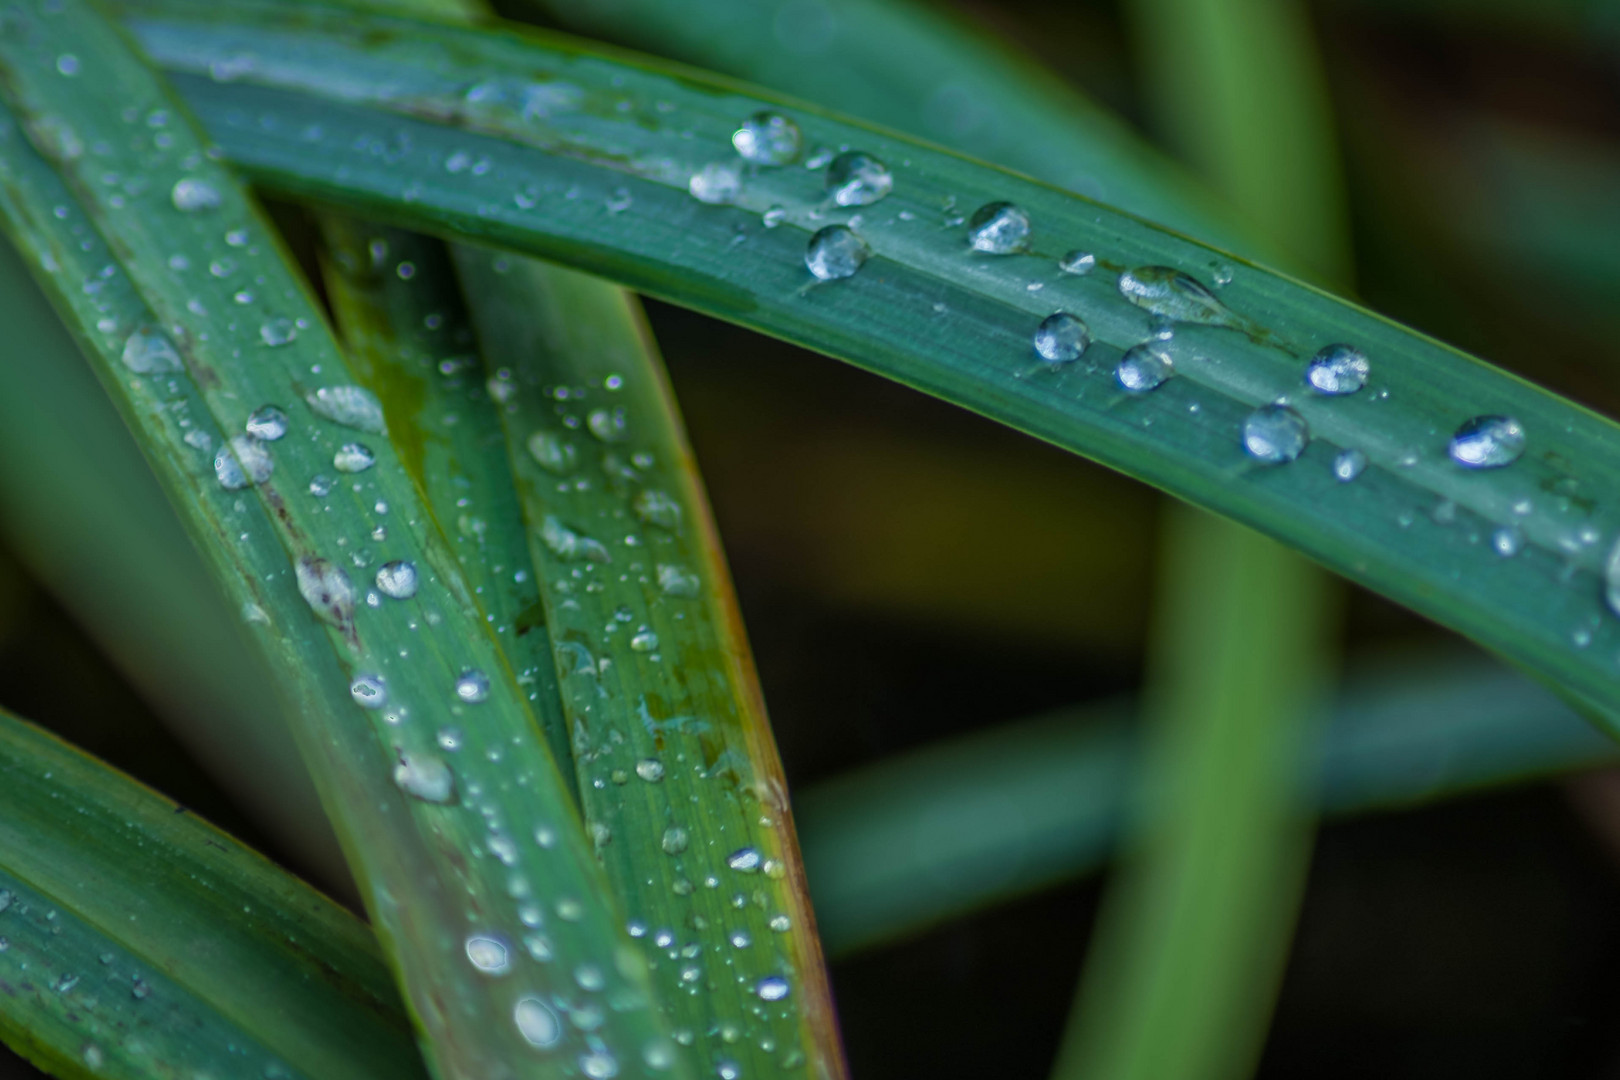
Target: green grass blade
678,771
438,896
912,841
926,311
137,941
1219,856
924,71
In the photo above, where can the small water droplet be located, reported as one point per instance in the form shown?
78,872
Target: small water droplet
744,860
999,228
858,179
772,988
191,195
536,1022
278,331
353,457
675,840
489,954
553,453
835,252
1349,465
569,545
1077,262
773,216
241,462
1060,338
148,351
717,183
609,425
424,776
369,691
1338,369
650,770
397,579
1275,434
1171,294
654,507
599,1065
781,923
589,977
1507,541
676,581
472,687
352,406
268,423
1487,442
658,1054
644,641
768,138
1143,367
327,589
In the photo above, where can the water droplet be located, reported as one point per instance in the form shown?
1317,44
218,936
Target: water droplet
659,1054
326,589
427,778
489,954
65,982
717,183
1078,262
278,331
675,840
353,457
268,423
569,545
601,834
320,485
554,453
539,947
858,179
1338,369
589,977
369,691
536,1022
727,1070
744,860
650,770
1275,434
644,641
1349,465
609,425
999,228
781,923
768,138
351,406
241,462
773,216
1508,541
148,351
599,1065
1611,578
472,687
835,252
655,507
676,581
1061,338
397,579
1143,367
191,195
1171,294
772,988
1487,442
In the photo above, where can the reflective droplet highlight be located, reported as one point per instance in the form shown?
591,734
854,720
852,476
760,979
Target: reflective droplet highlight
472,687
1487,442
772,988
1171,294
717,183
489,954
369,691
1275,434
536,1022
425,777
397,578
768,138
191,195
268,423
1143,367
1338,369
278,331
352,406
1060,338
1077,262
835,252
353,457
855,178
999,228
1348,465
148,351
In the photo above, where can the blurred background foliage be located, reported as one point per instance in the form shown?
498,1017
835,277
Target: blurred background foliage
910,573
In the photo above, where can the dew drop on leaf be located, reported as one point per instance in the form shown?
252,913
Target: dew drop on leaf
1509,541
772,988
768,138
191,195
536,1022
1487,442
835,252
1275,434
999,228
352,406
855,178
1349,464
425,777
1171,294
472,687
278,331
369,691
1061,337
744,860
1143,367
489,954
1337,369
353,457
717,183
148,351
397,578
1077,262
268,423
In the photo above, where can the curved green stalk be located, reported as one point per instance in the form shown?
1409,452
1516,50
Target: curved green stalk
604,188
139,942
176,288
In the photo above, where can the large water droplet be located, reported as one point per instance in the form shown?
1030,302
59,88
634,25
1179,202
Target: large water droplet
1143,367
472,687
717,183
1061,338
678,582
369,691
326,589
148,351
1275,434
835,252
351,406
768,138
655,507
675,840
397,579
428,778
489,954
278,331
569,545
609,425
858,179
650,770
554,453
190,195
599,1065
1338,369
1349,465
268,423
999,228
772,988
241,462
353,457
1487,442
1171,294
1077,262
745,860
536,1022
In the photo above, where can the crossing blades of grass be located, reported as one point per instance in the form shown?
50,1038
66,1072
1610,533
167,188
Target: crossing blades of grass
137,941
176,288
548,147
